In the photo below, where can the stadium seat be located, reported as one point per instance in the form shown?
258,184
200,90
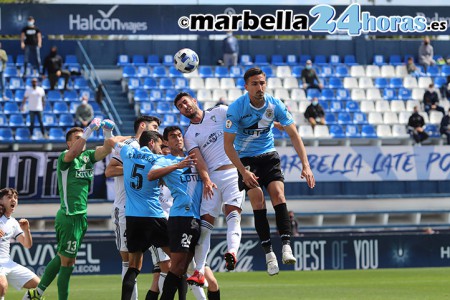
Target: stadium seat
66,120
240,83
351,106
172,93
373,71
298,94
384,131
417,94
321,131
335,59
274,83
261,60
153,60
401,71
432,130
159,71
445,70
357,71
16,120
326,71
380,82
336,106
325,105
184,121
389,94
342,71
221,72
312,93
375,118
373,94
146,108
6,135
15,83
143,71
358,94
306,131
424,82
54,96
399,131
204,95
395,60
60,107
359,118
70,96
80,83
365,82
123,60
344,118
56,134
352,131
10,72
23,135
291,59
277,60
330,118
440,80
378,60
435,116
433,71
327,94
8,94
350,83
156,95
205,71
10,108
181,83
336,131
335,83
173,72
367,106
233,94
283,72
168,60
149,83
382,106
410,105
227,83
138,60
3,120
236,72
245,60
170,120
297,71
350,60
368,131
268,70
165,83
304,58
320,60
164,107
10,62
290,83
46,84
390,118
404,94
219,94
409,82
18,96
140,95
387,71
396,82
397,106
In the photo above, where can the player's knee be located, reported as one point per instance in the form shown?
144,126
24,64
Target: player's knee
278,199
212,284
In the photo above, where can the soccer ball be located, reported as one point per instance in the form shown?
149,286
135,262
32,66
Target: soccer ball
186,60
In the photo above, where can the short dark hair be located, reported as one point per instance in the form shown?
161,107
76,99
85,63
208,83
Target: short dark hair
72,131
252,72
8,192
148,136
169,129
147,119
179,96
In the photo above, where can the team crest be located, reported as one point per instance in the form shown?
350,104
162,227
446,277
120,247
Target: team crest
85,159
269,113
228,124
213,118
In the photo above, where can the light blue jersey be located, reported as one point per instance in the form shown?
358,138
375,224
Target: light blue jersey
142,195
186,188
253,126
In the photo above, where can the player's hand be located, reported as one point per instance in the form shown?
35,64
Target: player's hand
208,189
188,162
250,179
2,233
95,124
310,180
24,224
108,125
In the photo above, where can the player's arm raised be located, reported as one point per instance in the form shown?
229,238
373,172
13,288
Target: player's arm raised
301,152
79,145
25,239
114,168
158,172
202,169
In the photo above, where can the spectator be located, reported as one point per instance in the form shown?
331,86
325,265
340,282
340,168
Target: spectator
412,69
36,103
431,100
53,65
445,89
314,113
230,48
4,59
415,127
294,224
309,77
31,41
84,113
222,101
445,126
426,54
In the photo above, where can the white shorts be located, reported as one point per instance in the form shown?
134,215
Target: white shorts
227,192
158,255
120,227
17,275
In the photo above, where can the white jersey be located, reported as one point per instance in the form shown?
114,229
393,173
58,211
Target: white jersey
12,230
119,189
207,136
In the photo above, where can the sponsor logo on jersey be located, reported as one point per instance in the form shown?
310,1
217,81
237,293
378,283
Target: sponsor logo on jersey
84,173
228,124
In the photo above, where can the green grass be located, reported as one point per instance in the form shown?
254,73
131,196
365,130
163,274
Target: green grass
420,284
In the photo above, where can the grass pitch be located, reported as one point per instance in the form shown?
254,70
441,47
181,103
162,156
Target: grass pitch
421,284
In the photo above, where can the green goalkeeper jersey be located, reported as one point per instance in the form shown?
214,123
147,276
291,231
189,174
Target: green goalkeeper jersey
74,181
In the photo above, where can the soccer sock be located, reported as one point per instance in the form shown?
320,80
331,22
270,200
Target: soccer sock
182,288
162,278
170,286
125,264
198,292
234,231
214,295
151,295
124,268
63,282
129,282
263,229
202,248
283,223
51,270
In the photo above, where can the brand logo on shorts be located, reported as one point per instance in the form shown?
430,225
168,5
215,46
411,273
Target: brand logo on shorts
269,113
194,224
228,124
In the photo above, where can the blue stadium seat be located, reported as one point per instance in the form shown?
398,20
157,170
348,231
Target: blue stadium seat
359,118
205,71
184,121
350,60
60,107
80,83
336,131
6,135
236,72
445,70
440,80
325,105
23,134
16,83
261,60
330,118
395,60
54,96
303,58
153,60
344,118
170,119
146,108
181,83
16,120
432,130
240,83
156,95
96,107
143,71
404,94
245,60
168,60
396,82
351,106
173,72
70,95
164,107
277,60
138,60
381,82
49,119
433,71
46,84
335,59
297,71
165,83
327,94
171,94
10,108
18,96
389,94
150,83
72,107
335,83
312,93
71,59
368,131
8,94
159,71
221,72
341,71
10,61
66,120
140,95
268,70
128,71
56,134
87,93
378,60
10,72
123,60
326,71
291,60
342,94
320,60
352,131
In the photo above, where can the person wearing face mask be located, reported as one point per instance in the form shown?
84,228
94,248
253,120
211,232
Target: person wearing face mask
31,42
309,77
84,113
314,113
53,65
35,95
431,100
445,126
415,127
426,53
230,48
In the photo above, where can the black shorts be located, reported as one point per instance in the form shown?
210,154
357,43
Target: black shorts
265,166
184,233
143,232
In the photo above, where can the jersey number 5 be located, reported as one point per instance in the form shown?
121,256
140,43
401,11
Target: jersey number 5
137,184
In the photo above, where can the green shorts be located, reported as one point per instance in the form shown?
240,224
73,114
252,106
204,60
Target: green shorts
70,231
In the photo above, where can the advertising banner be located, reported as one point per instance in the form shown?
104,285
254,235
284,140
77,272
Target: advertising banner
313,253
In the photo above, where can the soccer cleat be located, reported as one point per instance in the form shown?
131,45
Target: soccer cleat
287,256
272,264
196,279
230,261
33,294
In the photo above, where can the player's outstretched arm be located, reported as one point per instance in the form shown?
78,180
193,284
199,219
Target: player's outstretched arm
202,169
108,145
158,172
114,168
301,152
25,239
79,145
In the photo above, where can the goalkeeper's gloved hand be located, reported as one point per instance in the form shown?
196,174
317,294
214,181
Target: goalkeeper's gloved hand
108,126
93,126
